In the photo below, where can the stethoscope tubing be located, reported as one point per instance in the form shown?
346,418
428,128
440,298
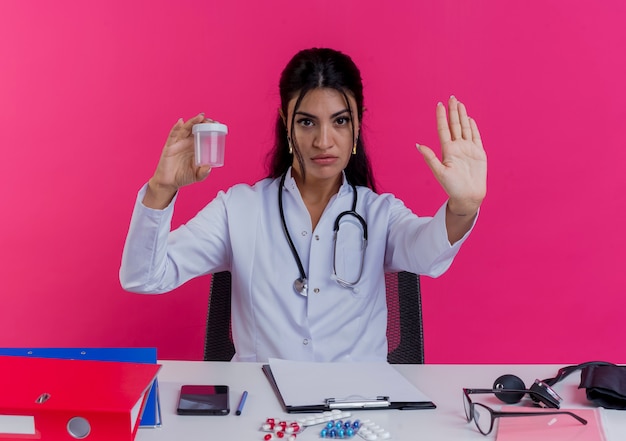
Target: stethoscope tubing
286,230
300,284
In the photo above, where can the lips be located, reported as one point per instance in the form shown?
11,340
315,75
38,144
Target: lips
324,159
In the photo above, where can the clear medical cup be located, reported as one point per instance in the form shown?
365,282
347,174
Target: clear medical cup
210,143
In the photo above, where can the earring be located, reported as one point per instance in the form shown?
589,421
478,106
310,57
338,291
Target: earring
354,149
290,145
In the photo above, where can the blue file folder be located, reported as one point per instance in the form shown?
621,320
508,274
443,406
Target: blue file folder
152,413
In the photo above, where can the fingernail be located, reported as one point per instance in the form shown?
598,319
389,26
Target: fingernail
440,103
452,97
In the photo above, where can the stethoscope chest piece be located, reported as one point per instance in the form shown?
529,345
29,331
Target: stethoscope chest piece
301,286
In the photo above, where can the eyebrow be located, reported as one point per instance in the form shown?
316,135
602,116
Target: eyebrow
315,117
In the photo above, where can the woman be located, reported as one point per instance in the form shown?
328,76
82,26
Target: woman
300,291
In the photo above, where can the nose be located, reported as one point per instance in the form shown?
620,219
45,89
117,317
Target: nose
323,137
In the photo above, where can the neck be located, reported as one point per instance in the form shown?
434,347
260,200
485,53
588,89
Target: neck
317,191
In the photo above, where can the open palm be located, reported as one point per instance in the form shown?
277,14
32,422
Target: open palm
462,170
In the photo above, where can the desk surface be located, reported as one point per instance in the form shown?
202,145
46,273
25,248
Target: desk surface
442,383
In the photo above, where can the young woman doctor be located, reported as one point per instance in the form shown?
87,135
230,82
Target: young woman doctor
309,245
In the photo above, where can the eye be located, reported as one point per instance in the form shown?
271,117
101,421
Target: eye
305,122
342,120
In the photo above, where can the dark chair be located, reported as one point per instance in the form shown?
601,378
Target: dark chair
404,328
405,331
218,344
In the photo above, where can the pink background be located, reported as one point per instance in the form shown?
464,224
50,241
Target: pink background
89,91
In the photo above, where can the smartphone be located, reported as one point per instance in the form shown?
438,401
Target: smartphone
203,400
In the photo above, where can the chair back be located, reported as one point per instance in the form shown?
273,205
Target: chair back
218,344
405,331
404,325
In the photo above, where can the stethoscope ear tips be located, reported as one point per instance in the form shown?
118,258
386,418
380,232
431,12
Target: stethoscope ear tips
509,381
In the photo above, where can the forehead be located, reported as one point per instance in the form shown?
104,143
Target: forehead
323,99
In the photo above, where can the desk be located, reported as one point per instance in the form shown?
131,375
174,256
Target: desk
442,383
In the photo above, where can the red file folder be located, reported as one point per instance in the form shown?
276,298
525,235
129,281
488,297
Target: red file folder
65,400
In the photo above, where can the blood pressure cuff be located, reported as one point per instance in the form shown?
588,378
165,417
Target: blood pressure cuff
606,385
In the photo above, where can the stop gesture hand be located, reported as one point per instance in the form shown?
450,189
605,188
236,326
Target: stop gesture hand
462,170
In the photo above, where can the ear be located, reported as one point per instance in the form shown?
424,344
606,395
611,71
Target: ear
282,115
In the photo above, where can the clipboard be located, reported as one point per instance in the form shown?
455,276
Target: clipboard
151,416
346,402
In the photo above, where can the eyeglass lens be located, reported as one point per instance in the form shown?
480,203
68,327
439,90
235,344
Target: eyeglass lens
467,405
480,414
483,418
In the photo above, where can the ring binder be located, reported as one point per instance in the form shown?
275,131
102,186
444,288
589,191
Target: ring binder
151,416
68,399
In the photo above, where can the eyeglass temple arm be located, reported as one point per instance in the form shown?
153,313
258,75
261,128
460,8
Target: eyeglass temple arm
520,414
532,393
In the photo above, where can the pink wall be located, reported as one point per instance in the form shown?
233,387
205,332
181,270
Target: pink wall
89,90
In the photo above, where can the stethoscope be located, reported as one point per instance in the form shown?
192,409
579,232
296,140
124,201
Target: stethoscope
300,284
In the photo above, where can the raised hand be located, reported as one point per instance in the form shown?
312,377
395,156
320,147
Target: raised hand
462,171
176,166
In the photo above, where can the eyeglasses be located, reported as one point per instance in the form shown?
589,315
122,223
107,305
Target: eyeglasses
484,416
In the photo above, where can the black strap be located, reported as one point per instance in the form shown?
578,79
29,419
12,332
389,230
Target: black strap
565,371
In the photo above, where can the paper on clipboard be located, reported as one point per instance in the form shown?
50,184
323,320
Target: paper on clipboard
310,383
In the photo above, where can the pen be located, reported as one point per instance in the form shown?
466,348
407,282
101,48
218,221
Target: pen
242,402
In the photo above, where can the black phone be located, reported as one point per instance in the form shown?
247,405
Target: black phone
203,400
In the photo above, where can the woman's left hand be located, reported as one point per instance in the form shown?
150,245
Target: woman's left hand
462,171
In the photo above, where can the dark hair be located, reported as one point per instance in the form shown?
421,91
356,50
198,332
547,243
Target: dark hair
311,69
